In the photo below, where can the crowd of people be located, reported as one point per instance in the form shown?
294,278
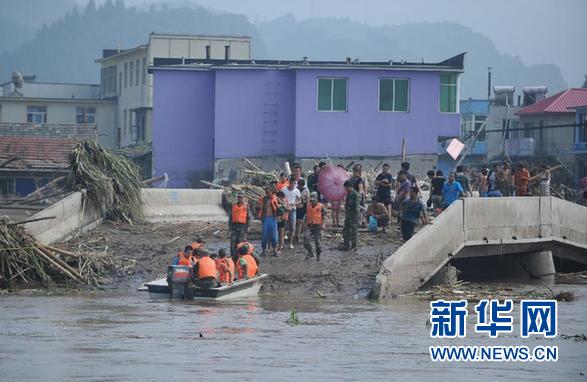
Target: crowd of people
293,212
211,270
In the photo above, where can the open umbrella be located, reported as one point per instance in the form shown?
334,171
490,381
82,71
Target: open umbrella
330,182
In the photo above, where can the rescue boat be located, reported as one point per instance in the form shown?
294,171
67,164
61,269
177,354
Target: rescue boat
182,288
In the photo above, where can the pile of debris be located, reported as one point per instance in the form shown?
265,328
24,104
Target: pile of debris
112,182
23,258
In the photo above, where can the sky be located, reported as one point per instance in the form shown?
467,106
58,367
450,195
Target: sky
538,31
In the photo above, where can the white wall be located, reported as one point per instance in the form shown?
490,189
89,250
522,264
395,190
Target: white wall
63,111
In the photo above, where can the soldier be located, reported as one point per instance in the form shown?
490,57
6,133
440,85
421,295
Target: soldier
315,213
238,222
351,217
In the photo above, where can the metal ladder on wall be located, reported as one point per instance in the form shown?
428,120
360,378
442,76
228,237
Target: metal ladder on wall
270,118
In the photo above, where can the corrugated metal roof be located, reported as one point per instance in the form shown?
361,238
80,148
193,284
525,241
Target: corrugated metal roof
558,103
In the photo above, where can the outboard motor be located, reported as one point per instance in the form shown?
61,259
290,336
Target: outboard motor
179,279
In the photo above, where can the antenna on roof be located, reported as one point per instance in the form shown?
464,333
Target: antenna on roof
118,47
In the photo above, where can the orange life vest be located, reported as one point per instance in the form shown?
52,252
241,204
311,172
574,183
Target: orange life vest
223,271
239,213
282,185
251,247
183,259
261,205
207,268
230,265
251,266
314,214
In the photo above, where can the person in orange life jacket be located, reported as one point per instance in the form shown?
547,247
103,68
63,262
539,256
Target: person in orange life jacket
282,182
250,250
183,257
225,267
238,222
315,213
247,265
229,275
205,271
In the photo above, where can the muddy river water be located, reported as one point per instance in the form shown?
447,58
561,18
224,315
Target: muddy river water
127,336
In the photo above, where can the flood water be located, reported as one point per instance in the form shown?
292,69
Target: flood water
120,337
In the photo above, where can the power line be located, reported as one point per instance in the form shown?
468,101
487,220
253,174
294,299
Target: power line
503,130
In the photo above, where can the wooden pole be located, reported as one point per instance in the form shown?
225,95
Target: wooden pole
30,221
403,150
55,264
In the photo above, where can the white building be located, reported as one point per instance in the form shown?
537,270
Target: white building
42,103
125,79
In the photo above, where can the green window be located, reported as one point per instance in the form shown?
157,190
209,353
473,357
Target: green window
394,94
448,92
332,94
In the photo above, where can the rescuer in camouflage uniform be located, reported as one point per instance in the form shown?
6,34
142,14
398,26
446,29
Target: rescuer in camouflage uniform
351,217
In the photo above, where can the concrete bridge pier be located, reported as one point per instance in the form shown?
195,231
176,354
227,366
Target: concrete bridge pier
539,265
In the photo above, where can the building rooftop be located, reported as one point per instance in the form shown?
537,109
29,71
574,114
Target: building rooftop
455,63
108,54
558,103
41,147
49,90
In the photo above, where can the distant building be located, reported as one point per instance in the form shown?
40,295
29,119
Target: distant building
561,138
580,146
125,79
474,114
42,103
208,114
32,154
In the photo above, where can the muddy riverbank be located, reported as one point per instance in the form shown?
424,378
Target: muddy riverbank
145,250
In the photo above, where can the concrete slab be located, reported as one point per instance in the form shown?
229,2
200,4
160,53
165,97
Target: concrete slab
71,218
180,205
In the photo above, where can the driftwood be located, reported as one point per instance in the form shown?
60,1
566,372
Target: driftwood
254,166
55,264
537,176
30,221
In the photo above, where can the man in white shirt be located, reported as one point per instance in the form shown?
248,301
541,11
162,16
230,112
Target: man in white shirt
293,198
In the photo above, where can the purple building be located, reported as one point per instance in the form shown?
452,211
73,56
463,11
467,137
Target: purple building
208,114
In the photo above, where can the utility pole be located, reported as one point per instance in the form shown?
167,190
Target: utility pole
489,82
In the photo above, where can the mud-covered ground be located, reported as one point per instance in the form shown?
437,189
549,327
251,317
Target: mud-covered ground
145,250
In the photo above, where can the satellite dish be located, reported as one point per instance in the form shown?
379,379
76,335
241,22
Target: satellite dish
17,80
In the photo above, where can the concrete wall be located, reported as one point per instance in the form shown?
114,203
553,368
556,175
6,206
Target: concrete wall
71,219
183,126
178,205
488,226
254,113
160,205
189,46
363,129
